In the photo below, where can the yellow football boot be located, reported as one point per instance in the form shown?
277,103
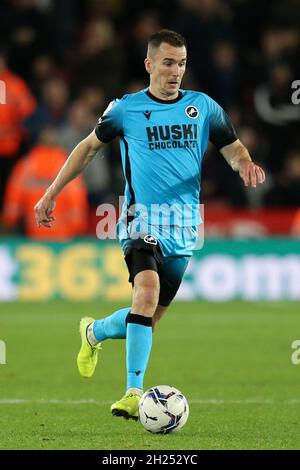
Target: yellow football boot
127,406
88,356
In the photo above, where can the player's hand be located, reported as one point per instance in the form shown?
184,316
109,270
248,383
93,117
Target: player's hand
43,210
251,174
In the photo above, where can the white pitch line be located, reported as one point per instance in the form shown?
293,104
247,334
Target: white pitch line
245,402
47,402
17,401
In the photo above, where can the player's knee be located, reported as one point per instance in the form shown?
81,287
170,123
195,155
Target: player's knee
146,292
145,299
148,295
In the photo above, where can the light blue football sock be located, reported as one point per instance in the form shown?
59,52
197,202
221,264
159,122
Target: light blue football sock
138,348
113,326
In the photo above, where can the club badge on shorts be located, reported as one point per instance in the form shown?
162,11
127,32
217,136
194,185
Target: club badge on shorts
150,239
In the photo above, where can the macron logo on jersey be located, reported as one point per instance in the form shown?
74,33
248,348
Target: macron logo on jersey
147,114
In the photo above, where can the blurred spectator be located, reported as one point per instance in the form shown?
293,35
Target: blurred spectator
19,104
28,182
225,68
94,99
96,176
64,18
104,8
285,190
273,99
98,60
204,24
43,69
52,110
78,125
280,44
144,26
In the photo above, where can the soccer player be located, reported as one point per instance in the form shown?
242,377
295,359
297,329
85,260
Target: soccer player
164,133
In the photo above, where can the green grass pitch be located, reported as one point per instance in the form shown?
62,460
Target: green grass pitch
231,360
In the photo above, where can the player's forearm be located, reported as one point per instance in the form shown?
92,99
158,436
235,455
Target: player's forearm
75,164
235,154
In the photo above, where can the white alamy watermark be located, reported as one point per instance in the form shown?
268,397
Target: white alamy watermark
295,358
2,92
179,223
2,352
296,93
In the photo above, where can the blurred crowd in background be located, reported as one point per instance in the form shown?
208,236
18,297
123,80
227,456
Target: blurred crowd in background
63,60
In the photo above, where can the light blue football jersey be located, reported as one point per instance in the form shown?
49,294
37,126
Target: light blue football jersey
162,147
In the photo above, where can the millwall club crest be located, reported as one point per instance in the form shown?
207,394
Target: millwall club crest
150,239
192,112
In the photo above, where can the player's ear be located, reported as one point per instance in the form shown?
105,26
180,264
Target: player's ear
148,64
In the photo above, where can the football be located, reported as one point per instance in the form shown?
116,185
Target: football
163,409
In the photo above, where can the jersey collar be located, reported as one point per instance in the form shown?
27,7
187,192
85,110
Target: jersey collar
158,100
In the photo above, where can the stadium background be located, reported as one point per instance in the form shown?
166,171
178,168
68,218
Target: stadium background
61,63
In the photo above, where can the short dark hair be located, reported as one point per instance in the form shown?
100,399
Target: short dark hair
168,36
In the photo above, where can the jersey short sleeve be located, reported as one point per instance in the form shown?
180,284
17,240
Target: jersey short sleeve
110,125
221,129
